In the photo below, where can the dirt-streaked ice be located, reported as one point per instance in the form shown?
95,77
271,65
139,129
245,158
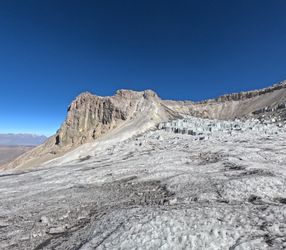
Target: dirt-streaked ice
157,190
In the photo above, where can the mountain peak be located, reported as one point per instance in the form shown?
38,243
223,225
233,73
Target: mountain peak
129,112
148,93
90,116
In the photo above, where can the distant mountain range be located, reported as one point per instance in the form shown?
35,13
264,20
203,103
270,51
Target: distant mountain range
21,139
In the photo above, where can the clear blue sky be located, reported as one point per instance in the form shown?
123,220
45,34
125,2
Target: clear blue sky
52,50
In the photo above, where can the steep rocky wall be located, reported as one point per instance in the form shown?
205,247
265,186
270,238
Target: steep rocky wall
248,94
90,117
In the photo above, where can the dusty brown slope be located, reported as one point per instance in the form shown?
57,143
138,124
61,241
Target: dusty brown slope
9,153
90,117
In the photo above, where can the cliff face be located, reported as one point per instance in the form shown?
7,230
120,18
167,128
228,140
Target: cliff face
90,117
244,104
250,94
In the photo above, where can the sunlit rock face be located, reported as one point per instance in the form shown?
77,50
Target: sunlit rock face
245,104
90,117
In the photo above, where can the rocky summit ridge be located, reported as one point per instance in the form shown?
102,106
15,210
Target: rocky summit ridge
249,94
245,104
127,113
91,116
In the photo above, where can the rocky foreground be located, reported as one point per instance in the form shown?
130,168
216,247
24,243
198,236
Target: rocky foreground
156,190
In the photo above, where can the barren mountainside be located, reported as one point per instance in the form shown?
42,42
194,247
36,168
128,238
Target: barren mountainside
222,186
132,171
245,104
90,117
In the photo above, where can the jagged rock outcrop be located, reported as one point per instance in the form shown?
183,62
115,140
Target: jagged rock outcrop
249,94
90,117
243,104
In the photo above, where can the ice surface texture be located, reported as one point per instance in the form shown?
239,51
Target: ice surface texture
158,190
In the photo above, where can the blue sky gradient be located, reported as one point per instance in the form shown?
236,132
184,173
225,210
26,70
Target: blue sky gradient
53,50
